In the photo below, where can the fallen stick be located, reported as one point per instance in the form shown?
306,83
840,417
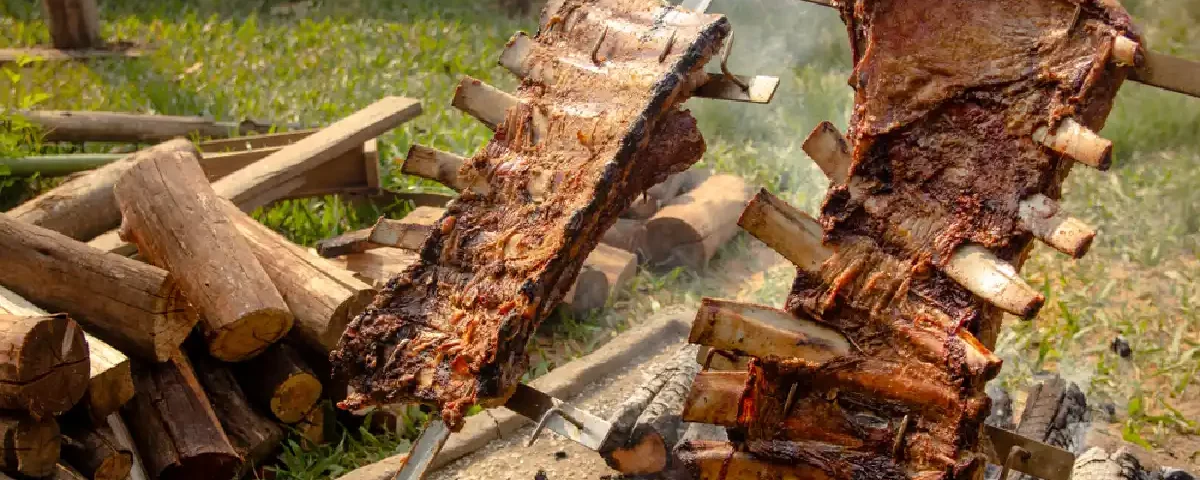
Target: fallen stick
95,452
280,382
172,213
688,231
44,364
31,446
89,126
253,436
128,304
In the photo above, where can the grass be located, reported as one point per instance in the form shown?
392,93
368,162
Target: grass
314,62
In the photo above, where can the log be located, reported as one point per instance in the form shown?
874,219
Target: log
646,426
84,207
688,231
93,126
43,363
642,208
763,331
253,436
787,230
256,184
279,381
356,241
172,213
377,266
628,235
409,232
128,304
30,446
442,167
1077,142
589,292
486,103
74,24
829,150
116,424
95,452
174,426
619,267
251,142
110,385
1042,217
322,296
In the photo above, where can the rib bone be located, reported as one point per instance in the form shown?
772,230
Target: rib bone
762,331
486,103
993,279
792,233
1077,142
828,148
1042,217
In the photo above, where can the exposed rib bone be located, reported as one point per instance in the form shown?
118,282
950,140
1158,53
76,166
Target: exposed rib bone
433,164
993,279
828,148
714,398
792,233
1042,217
762,331
1077,142
407,233
1126,52
486,103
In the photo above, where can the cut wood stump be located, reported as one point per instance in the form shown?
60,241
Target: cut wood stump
43,363
173,424
128,304
31,446
314,427
254,436
688,231
178,223
95,452
589,292
280,382
74,24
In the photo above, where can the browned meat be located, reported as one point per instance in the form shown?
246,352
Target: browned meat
598,124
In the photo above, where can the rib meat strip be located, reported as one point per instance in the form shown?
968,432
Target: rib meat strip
598,125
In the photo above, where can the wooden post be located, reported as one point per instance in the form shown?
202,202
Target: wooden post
74,24
84,207
95,452
280,382
171,212
254,436
43,363
131,305
111,384
322,296
174,426
31,446
689,230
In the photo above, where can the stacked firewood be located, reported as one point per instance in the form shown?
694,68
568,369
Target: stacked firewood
196,358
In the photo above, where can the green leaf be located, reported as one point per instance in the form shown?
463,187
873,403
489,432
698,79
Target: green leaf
29,101
1135,407
1131,435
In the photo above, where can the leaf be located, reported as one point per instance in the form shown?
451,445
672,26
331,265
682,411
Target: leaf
1131,435
1135,407
29,101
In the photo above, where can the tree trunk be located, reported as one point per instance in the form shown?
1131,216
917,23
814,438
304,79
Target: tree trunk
322,296
171,212
110,385
43,364
646,426
280,382
174,426
84,207
74,24
95,452
688,231
254,436
30,446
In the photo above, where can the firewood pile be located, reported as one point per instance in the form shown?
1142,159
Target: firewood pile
196,358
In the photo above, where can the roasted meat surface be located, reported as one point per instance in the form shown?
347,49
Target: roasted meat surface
598,123
949,98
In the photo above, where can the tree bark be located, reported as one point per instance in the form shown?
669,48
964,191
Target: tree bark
30,446
84,207
322,296
646,426
254,436
74,24
688,231
43,363
174,426
280,382
95,452
171,212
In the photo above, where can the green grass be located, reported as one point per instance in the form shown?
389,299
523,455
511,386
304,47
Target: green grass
233,60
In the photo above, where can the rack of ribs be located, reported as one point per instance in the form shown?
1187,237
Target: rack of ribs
968,116
596,123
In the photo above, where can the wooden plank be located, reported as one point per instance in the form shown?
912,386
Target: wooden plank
250,142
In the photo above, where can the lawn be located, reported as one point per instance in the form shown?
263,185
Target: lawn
314,62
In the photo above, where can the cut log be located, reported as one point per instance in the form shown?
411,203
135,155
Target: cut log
1043,218
111,384
251,187
74,24
128,304
116,424
253,436
763,331
322,296
589,292
252,142
629,235
486,103
828,148
409,232
642,208
377,266
43,363
177,433
178,223
646,426
619,267
688,231
84,207
433,164
1077,142
787,230
92,126
30,447
280,382
95,452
